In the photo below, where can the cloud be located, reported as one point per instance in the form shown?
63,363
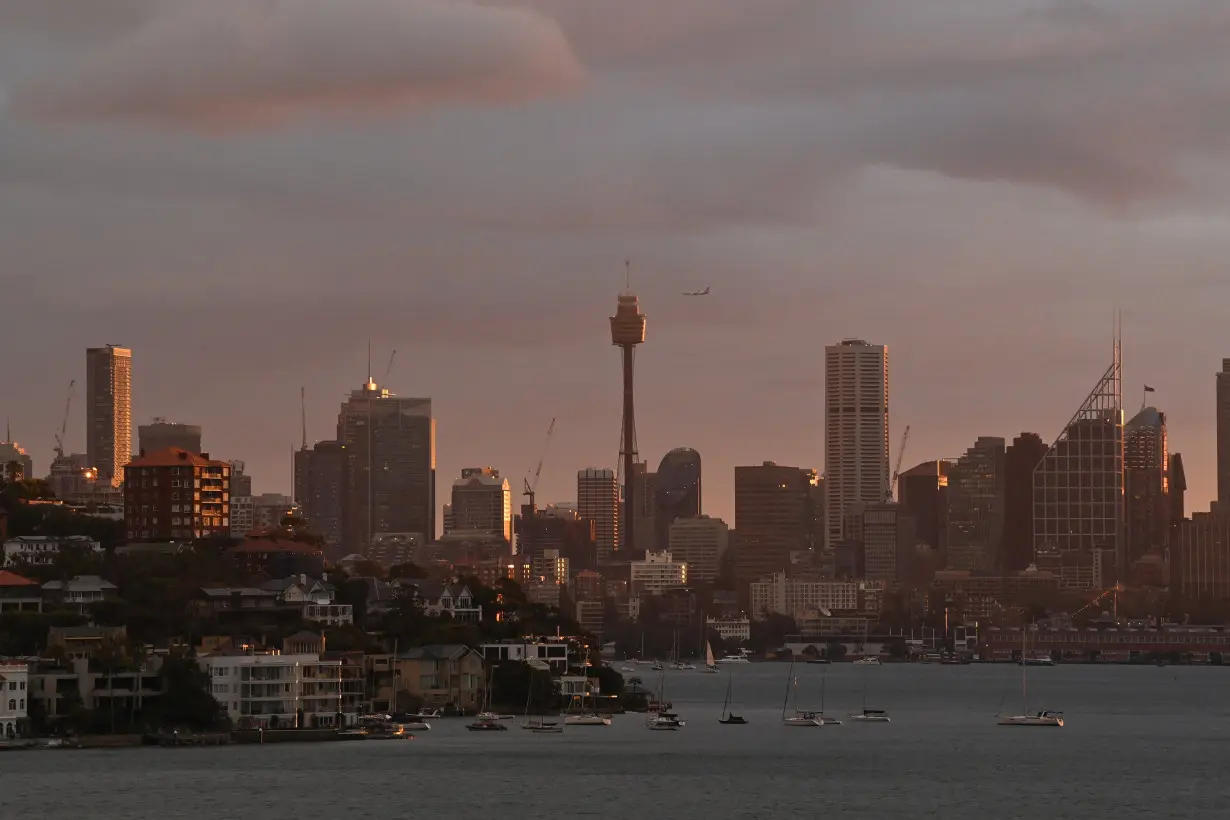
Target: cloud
241,64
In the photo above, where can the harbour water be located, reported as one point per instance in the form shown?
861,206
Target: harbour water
1141,742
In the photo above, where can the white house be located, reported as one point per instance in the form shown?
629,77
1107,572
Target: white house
79,592
552,653
14,681
43,549
455,601
275,691
731,629
314,597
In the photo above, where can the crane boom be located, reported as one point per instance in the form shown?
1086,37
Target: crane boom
68,403
389,368
892,486
532,486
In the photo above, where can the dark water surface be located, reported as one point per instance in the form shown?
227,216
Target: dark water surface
1142,742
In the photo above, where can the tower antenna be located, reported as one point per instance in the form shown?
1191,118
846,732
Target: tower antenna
627,274
303,413
369,360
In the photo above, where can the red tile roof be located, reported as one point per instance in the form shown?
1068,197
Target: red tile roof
12,579
175,457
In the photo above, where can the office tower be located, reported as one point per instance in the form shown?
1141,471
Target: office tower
700,542
976,506
482,501
1022,457
627,331
676,492
855,429
15,463
160,434
1223,432
176,495
1078,492
773,518
241,482
1200,556
390,466
642,509
108,411
559,529
922,492
1178,488
598,501
888,541
1146,466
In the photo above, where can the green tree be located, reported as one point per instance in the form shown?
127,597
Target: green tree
186,700
835,651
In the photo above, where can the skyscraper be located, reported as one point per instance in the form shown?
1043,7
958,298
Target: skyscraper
855,430
390,456
676,493
598,501
922,491
976,506
1146,465
108,411
1078,491
320,484
773,518
482,501
1223,432
1022,457
627,331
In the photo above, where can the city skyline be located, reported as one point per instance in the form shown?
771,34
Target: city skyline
241,258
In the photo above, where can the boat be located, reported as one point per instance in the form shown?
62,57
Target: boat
710,664
1038,660
657,667
626,668
818,661
870,660
800,718
416,725
424,712
493,716
729,718
734,659
538,724
1045,717
827,721
660,718
587,719
486,725
871,716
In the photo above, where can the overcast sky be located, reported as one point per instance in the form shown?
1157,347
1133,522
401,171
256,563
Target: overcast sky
246,191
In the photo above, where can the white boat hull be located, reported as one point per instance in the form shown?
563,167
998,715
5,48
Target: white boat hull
871,718
1032,720
587,720
803,722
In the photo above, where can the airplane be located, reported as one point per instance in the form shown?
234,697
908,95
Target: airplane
704,292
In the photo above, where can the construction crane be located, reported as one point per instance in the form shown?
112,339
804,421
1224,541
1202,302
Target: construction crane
389,369
531,486
892,484
68,403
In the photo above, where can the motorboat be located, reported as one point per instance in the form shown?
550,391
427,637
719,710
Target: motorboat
626,668
871,716
1038,660
486,725
424,712
587,719
666,721
493,716
416,725
657,667
870,660
734,659
1043,718
807,719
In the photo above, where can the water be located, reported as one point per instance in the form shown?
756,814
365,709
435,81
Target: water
1141,742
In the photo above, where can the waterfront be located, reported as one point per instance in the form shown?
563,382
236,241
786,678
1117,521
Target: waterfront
1140,742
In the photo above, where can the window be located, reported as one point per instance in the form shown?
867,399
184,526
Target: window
12,705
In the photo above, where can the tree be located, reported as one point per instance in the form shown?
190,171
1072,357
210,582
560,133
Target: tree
835,651
771,631
186,700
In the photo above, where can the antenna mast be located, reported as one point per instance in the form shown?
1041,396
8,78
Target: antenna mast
303,413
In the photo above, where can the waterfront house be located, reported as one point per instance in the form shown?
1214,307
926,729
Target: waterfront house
84,642
440,676
18,594
43,549
224,601
14,699
78,593
58,684
554,653
274,691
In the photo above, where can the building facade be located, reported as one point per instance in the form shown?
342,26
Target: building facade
41,550
888,542
320,481
799,598
1223,433
700,542
108,411
174,494
922,491
598,501
1200,555
773,518
15,462
276,691
1146,465
14,699
855,430
1020,459
481,501
390,474
976,506
160,434
676,493
656,573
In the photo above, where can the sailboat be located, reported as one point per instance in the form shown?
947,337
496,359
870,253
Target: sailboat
1046,717
487,721
827,721
800,718
587,716
710,663
538,724
662,720
729,718
869,715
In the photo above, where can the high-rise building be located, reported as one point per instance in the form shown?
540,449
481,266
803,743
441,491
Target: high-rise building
482,501
976,506
108,411
559,529
1146,464
160,434
627,331
390,474
15,463
176,495
922,491
598,501
1178,489
1200,555
700,542
855,430
642,509
1078,492
773,518
888,541
241,482
1223,432
656,573
676,493
1021,458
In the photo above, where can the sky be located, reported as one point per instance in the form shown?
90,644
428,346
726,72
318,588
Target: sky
247,192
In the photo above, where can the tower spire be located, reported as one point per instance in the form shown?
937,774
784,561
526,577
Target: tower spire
303,414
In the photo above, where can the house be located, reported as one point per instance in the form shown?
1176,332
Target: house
452,600
304,643
78,593
354,680
440,676
18,594
554,653
276,691
43,549
84,642
278,557
314,598
14,696
221,601
57,685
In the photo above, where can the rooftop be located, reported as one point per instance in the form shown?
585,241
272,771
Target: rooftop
175,457
12,579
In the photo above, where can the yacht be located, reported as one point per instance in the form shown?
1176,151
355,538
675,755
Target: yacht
800,716
1043,718
734,659
871,716
486,725
424,712
665,721
870,660
657,667
710,663
416,725
1038,660
587,719
803,719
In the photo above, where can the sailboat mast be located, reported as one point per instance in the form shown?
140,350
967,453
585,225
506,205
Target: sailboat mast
1024,672
789,684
